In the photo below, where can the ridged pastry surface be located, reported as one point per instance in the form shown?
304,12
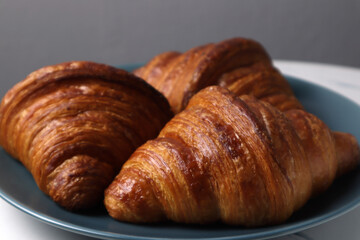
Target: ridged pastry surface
74,124
239,64
236,160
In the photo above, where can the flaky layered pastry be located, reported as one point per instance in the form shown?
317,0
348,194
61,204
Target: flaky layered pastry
236,160
241,65
74,124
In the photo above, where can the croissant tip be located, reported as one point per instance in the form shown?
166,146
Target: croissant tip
132,199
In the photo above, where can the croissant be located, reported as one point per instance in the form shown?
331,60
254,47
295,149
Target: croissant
74,124
241,65
236,160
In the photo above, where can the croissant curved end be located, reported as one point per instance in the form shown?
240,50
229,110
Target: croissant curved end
137,203
78,183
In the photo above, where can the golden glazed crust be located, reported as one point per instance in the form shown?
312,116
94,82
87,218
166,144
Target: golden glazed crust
74,124
236,160
239,64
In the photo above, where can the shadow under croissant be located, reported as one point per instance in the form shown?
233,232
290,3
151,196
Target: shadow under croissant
341,190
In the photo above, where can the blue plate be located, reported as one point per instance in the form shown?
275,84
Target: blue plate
18,188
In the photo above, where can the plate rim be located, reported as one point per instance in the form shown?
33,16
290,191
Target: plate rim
277,232
293,228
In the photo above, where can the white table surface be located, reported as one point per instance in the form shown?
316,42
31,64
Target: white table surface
15,224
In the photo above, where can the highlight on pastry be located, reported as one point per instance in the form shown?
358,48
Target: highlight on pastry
233,159
74,124
241,65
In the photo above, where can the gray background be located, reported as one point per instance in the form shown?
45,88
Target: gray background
34,33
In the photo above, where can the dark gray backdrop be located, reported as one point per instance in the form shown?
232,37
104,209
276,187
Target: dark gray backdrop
34,33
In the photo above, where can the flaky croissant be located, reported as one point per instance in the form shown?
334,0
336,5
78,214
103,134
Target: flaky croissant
236,160
74,124
241,65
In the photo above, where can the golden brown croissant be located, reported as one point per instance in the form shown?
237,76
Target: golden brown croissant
236,160
74,124
241,65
